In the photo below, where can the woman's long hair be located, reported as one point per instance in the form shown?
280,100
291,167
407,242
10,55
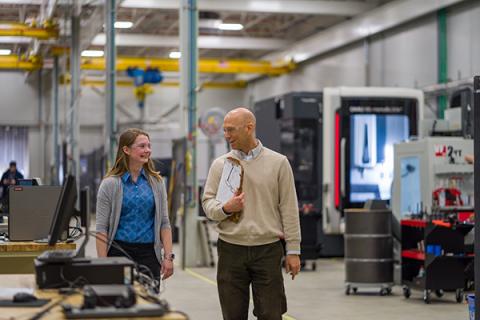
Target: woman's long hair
127,138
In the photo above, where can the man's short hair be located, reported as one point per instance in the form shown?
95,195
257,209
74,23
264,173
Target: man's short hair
13,164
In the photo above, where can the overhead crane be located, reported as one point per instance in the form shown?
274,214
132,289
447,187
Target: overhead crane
163,64
129,83
48,30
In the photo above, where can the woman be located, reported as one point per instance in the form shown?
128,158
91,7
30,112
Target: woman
132,208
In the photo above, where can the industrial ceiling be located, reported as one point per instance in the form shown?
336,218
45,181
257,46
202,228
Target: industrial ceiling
268,25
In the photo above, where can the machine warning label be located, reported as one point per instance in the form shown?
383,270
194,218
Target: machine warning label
447,151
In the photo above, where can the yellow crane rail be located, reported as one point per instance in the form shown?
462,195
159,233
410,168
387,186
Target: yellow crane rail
164,65
48,31
204,65
13,62
129,83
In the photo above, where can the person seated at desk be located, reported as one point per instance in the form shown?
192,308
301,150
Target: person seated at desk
9,178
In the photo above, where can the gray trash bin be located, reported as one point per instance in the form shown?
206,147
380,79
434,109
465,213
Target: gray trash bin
368,250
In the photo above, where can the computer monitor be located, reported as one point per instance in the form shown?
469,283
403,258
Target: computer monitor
27,182
64,210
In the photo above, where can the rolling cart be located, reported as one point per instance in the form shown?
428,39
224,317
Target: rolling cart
433,258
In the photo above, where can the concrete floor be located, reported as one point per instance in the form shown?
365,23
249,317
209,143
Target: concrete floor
313,295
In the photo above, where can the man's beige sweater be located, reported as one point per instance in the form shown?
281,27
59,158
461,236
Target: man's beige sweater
270,209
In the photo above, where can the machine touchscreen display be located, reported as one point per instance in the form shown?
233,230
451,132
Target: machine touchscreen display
372,137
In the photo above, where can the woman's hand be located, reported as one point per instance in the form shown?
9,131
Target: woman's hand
167,268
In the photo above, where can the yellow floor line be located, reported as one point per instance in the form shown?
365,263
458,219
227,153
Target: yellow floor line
201,277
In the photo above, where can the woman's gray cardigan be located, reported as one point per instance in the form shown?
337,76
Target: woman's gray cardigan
109,206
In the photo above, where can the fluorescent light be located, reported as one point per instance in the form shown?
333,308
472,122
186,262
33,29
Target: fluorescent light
209,23
5,52
230,26
299,57
123,24
175,55
92,53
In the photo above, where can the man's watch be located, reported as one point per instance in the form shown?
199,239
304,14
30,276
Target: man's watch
170,256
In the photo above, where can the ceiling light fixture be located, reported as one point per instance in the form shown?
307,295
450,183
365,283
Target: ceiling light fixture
123,24
230,26
5,52
92,53
175,55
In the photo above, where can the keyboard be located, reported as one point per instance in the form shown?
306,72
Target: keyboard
137,311
56,255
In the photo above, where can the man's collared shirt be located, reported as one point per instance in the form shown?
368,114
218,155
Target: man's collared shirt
252,154
137,216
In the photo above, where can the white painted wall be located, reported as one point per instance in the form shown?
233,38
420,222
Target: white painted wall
19,106
18,100
405,56
463,25
346,67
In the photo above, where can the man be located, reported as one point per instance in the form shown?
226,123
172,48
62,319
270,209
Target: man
250,251
9,178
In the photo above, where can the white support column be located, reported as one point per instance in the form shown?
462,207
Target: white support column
55,156
110,56
188,102
41,125
73,122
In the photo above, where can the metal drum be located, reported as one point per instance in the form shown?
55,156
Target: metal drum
368,249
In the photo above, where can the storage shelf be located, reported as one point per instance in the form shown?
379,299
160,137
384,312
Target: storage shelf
426,271
423,223
453,169
413,254
455,208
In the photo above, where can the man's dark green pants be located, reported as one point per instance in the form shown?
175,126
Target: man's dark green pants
238,267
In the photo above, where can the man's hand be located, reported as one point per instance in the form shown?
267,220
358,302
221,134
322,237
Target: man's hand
235,204
292,264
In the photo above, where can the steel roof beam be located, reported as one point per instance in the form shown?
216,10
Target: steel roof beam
336,8
319,7
388,16
204,42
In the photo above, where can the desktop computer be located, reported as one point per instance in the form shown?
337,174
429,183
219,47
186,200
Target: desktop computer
77,272
31,211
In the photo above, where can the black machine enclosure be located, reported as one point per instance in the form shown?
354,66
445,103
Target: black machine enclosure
79,271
